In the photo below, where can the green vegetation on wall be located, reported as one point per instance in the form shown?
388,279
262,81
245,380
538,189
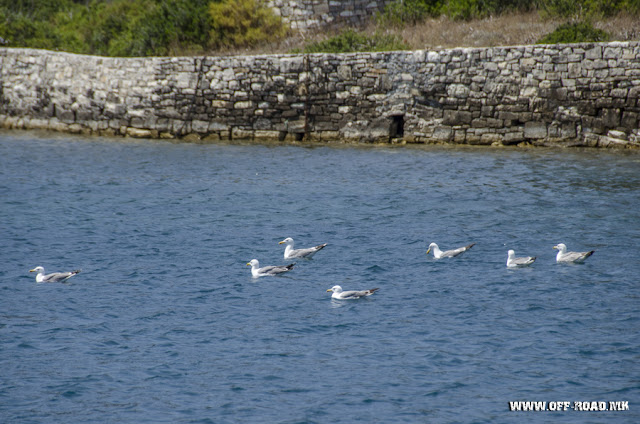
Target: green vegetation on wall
352,41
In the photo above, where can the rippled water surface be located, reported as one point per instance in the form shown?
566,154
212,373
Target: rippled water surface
166,325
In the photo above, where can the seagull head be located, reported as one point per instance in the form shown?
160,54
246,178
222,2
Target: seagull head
511,253
37,269
432,246
287,241
335,289
253,263
561,247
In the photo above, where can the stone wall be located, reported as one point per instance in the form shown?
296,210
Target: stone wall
306,15
585,95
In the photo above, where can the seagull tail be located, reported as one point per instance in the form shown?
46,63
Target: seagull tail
370,291
290,266
589,253
321,246
469,246
77,271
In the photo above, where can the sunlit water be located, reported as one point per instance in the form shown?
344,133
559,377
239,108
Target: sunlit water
166,325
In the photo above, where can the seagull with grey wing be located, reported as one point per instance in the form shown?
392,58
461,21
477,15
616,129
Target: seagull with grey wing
54,277
439,254
267,271
291,253
513,262
340,294
570,257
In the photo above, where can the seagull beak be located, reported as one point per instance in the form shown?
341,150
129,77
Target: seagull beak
328,290
428,250
281,242
32,270
248,263
555,247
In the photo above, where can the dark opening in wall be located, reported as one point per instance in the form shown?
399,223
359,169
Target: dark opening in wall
396,130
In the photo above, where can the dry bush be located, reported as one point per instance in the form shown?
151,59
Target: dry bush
504,30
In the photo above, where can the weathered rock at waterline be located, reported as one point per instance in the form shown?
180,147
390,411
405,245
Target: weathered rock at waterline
571,95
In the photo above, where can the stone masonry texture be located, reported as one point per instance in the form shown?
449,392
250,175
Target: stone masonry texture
307,15
570,95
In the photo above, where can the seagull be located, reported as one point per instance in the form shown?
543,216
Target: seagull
570,257
290,252
256,271
439,254
350,294
55,277
513,262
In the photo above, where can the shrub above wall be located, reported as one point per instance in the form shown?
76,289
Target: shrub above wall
131,28
575,32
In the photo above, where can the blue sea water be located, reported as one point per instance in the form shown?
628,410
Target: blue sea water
166,325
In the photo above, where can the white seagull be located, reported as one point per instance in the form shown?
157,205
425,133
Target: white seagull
271,270
513,262
290,252
54,277
439,254
570,257
350,294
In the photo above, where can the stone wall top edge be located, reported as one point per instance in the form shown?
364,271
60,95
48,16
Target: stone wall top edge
4,51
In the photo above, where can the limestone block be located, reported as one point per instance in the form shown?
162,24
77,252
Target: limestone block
527,63
65,116
629,119
221,104
620,135
607,141
241,134
535,130
443,134
296,125
610,117
266,135
138,132
494,123
459,136
490,139
344,72
293,64
56,125
455,117
612,53
199,126
619,92
513,137
243,105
